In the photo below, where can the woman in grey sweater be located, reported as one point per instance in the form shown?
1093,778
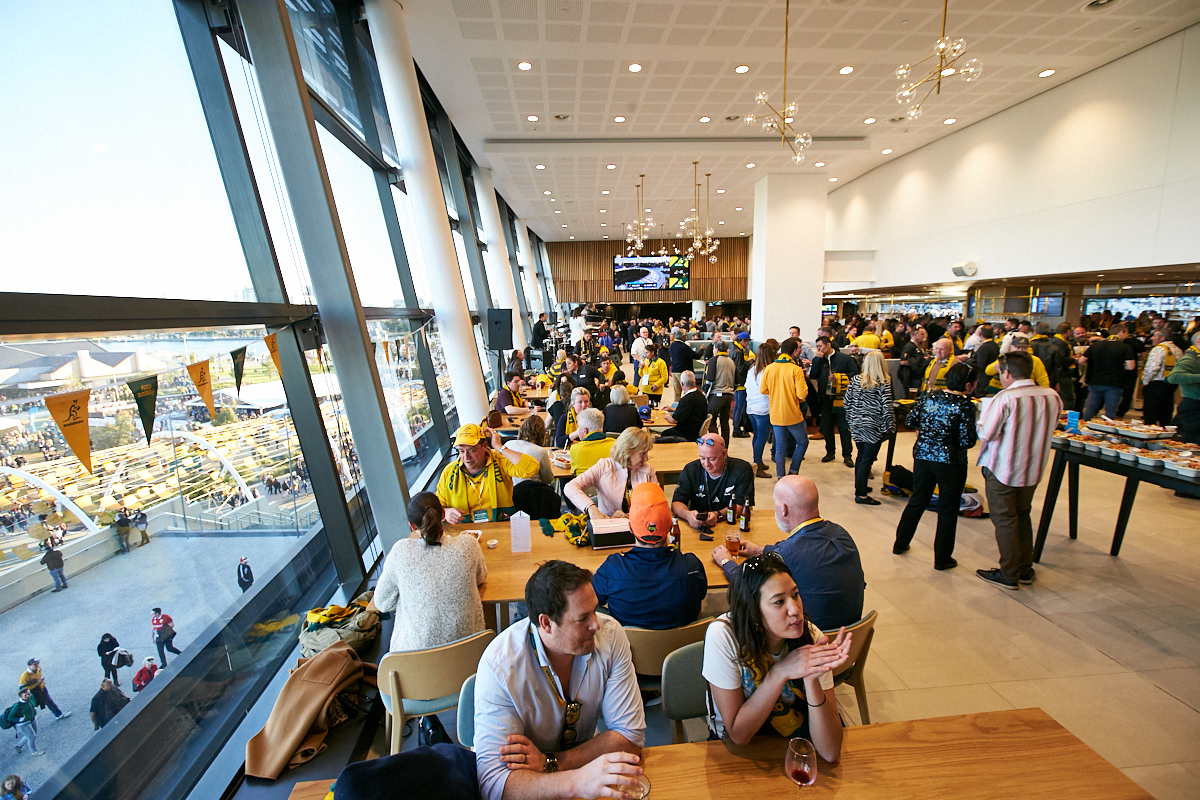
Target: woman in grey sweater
431,582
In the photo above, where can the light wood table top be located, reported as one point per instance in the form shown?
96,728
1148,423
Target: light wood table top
310,790
509,571
667,459
1018,754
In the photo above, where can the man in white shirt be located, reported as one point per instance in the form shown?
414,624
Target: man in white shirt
637,351
541,687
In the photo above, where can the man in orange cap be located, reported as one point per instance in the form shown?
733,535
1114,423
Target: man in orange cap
653,585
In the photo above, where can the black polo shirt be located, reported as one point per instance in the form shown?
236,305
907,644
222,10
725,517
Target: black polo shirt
702,492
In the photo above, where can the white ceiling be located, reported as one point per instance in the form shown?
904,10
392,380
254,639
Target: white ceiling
580,51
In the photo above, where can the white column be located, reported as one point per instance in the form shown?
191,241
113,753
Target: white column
526,259
698,309
788,255
424,186
500,274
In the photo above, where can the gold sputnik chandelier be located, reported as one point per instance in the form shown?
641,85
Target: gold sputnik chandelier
779,121
637,233
948,53
702,243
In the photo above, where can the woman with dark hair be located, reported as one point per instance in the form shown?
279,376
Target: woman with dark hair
770,670
945,419
107,650
432,582
758,406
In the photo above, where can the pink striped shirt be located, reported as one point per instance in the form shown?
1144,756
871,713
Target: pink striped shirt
1015,431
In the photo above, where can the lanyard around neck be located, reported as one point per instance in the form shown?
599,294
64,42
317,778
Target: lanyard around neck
550,676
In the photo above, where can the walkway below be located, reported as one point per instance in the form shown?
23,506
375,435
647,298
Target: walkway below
194,579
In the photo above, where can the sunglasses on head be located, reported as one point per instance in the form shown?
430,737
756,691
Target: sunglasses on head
708,440
761,561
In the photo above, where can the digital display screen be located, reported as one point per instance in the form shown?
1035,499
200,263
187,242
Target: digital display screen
1049,304
650,273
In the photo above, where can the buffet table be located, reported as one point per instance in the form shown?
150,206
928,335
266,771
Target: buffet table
1068,459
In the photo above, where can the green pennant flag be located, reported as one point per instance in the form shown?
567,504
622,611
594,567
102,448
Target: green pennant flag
145,394
239,366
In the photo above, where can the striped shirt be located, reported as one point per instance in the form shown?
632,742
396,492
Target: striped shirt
1015,429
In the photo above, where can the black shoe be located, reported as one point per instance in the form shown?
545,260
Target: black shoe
828,457
997,577
898,550
762,472
742,435
848,461
867,500
1027,576
951,564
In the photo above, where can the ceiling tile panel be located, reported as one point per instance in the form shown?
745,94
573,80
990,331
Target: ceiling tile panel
604,34
512,10
685,37
562,33
520,31
646,35
653,13
477,31
468,9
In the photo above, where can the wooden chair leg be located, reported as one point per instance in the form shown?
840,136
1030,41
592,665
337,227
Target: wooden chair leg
860,693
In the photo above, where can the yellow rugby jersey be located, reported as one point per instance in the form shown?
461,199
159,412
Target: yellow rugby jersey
491,490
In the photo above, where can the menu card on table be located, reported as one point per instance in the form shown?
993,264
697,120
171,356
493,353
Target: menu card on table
520,532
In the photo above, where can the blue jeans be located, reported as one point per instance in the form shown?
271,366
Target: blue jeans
741,418
1110,396
799,434
60,580
760,424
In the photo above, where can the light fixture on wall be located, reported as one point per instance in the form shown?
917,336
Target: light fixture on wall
947,53
780,121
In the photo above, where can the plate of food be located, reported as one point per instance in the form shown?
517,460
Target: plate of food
1100,426
1152,458
1092,445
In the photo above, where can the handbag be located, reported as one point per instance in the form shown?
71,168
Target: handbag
166,632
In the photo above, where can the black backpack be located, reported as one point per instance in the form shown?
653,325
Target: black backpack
6,720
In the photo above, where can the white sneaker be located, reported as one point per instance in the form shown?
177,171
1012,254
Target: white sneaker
63,715
38,753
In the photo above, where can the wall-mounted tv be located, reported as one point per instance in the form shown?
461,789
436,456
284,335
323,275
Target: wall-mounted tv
650,273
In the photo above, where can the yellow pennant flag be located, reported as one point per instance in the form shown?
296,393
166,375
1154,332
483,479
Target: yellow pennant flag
203,380
69,412
387,351
273,349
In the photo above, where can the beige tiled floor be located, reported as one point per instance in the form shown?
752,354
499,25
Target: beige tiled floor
1110,647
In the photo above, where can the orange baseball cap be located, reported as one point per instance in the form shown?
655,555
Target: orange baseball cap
649,513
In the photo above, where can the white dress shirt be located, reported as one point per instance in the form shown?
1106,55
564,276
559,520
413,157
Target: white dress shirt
1015,430
514,694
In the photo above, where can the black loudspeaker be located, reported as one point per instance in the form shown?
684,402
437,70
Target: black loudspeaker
498,332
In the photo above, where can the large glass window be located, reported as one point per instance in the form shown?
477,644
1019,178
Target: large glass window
433,338
464,270
412,248
397,350
363,226
212,491
110,183
486,358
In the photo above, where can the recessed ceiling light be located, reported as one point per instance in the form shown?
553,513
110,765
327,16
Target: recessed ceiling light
647,211
742,233
546,192
819,164
532,118
524,66
603,224
706,119
846,70
1046,73
564,225
606,236
833,180
557,211
635,67
720,191
618,119
551,199
540,166
789,120
612,166
741,69
722,222
604,211
739,208
887,151
949,121
1161,274
1126,287
947,72
570,237
750,165
869,121
605,191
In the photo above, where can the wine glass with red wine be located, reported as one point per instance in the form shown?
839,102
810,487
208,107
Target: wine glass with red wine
800,765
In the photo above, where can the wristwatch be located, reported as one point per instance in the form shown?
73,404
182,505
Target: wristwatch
551,764
723,563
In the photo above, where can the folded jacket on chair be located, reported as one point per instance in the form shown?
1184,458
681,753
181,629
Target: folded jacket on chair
440,772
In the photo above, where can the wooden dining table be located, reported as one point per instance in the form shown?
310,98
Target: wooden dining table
1022,753
508,571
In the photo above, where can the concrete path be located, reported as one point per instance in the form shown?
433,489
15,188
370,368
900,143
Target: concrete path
193,579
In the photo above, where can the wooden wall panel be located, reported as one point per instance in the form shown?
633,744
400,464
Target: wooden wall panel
582,273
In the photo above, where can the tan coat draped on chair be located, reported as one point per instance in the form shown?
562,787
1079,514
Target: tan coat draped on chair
295,732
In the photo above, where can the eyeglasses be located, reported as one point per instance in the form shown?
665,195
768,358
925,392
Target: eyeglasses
570,719
708,441
761,561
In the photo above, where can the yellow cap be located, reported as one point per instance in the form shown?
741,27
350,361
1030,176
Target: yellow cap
470,435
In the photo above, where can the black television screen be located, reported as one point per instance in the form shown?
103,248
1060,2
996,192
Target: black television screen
641,273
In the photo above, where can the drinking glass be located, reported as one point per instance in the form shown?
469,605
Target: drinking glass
733,541
800,765
639,792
